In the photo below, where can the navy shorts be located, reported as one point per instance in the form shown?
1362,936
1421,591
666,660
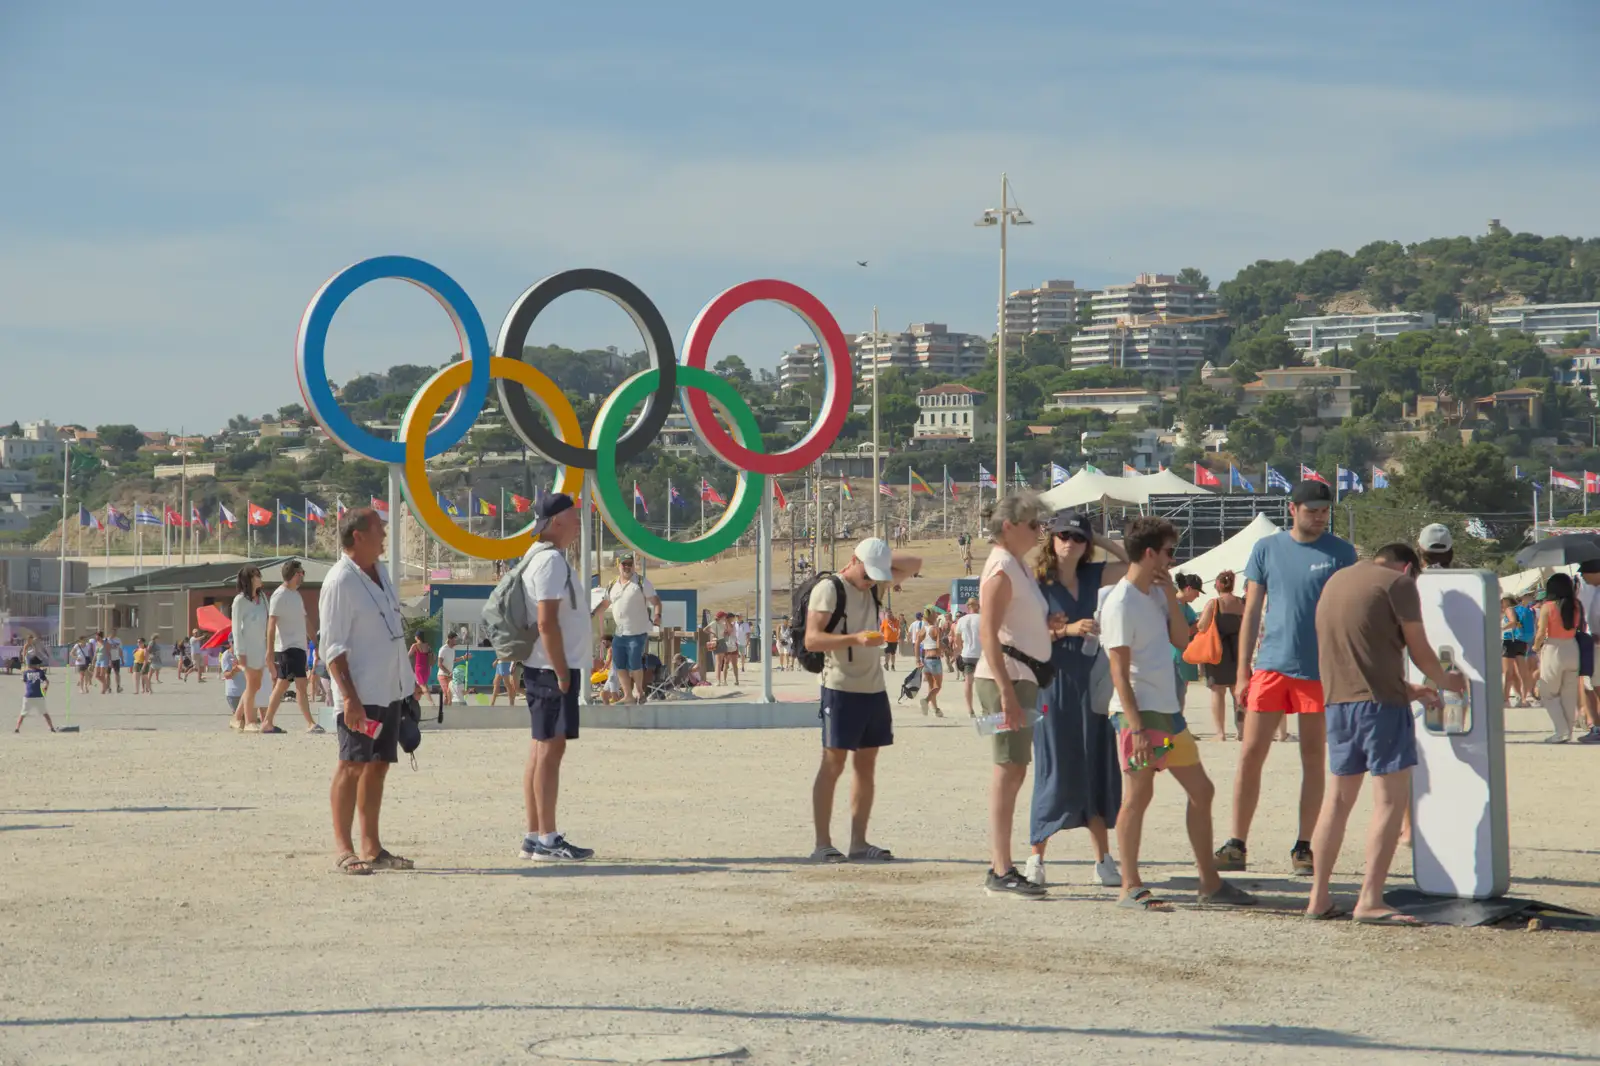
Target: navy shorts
1367,737
358,747
627,653
553,713
855,720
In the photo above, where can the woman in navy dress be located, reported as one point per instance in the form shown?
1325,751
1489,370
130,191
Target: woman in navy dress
1077,783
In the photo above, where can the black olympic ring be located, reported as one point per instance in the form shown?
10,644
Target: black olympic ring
531,425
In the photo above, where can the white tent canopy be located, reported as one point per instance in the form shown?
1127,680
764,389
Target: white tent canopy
1231,554
1088,486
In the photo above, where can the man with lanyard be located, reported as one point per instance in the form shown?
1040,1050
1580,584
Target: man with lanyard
635,608
552,674
1286,572
364,642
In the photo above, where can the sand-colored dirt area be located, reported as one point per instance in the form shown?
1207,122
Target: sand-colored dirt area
169,897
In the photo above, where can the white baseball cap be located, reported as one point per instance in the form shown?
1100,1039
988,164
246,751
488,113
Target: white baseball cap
1435,538
878,558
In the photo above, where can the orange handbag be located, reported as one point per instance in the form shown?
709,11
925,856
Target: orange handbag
1205,649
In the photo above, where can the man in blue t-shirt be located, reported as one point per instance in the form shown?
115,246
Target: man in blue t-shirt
34,685
1286,573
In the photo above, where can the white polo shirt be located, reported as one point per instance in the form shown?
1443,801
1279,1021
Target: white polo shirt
289,608
550,577
361,621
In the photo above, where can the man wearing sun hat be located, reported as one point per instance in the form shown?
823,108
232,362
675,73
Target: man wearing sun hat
855,702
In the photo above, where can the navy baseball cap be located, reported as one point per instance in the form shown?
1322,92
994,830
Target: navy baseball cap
548,508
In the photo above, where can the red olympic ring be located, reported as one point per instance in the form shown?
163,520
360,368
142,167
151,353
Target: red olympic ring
835,400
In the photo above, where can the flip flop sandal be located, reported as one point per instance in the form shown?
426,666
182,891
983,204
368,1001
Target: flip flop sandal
871,853
385,861
275,729
1331,914
1143,900
351,863
1394,918
827,854
1226,895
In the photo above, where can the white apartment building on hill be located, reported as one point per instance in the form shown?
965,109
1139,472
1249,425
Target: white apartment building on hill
1152,325
1549,323
1321,333
929,346
1051,308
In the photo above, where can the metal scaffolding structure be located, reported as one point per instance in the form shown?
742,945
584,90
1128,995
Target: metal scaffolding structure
1206,521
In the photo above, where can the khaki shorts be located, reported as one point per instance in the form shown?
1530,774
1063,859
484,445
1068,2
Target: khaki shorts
1015,746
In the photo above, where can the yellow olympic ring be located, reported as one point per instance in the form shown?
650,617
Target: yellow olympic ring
413,430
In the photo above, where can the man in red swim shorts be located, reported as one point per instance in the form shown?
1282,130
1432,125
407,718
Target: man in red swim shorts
1286,573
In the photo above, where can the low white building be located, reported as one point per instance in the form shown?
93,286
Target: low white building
1152,449
950,415
1549,323
1117,402
14,451
34,504
1334,387
1321,333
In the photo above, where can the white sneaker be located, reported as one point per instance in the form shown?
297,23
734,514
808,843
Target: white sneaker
1110,874
1033,870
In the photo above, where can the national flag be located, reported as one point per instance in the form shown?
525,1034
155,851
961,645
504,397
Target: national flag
487,508
1277,481
638,497
985,479
521,504
174,518
1058,474
778,496
1091,468
1016,475
1591,482
885,490
1129,470
196,521
1236,479
1349,480
257,515
844,489
1202,476
88,519
448,505
919,485
1308,474
1564,481
674,498
1476,528
1380,480
382,507
711,495
147,518
288,515
225,516
949,483
316,514
116,518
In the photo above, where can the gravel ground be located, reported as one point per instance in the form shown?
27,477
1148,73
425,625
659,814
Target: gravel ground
170,899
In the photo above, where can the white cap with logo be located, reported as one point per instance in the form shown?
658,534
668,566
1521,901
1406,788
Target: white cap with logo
877,557
1435,538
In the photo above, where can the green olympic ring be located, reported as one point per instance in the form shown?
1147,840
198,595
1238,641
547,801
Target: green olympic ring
613,504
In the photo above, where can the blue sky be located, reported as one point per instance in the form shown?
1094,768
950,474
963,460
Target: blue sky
179,178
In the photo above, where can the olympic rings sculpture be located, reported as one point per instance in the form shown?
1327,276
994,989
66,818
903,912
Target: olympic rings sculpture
554,432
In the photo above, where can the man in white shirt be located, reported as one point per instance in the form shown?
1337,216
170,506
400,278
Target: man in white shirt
969,647
1141,621
364,644
552,675
289,662
635,608
855,704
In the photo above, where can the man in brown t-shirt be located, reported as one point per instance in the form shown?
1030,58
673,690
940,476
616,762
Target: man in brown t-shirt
1368,618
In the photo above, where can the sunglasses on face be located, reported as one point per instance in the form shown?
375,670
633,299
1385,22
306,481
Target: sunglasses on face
1072,535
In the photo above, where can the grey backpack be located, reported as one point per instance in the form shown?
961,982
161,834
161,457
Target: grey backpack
513,627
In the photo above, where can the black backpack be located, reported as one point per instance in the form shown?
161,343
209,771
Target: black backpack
800,607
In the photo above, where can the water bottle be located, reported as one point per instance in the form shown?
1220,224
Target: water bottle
1452,717
990,724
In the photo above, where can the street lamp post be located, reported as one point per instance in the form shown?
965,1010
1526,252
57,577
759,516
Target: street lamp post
1003,216
875,472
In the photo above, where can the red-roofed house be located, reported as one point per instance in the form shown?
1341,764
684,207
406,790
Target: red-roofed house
950,415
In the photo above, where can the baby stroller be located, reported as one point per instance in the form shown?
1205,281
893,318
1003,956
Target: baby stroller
913,682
